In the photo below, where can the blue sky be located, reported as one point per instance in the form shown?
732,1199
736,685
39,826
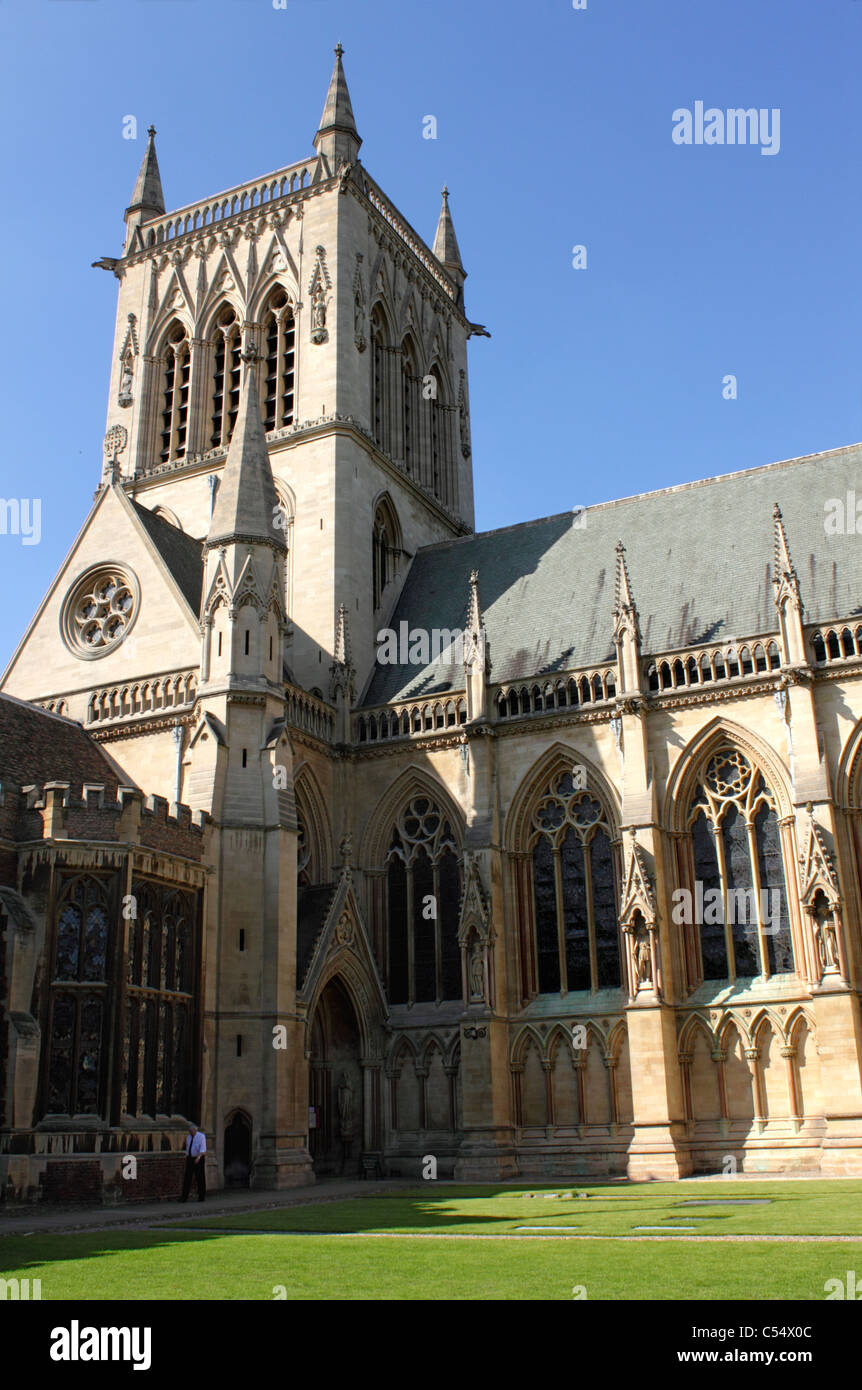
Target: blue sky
554,129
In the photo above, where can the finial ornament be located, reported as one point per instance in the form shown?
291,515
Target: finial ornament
338,50
445,191
151,130
250,354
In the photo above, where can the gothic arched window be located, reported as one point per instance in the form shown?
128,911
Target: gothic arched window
411,384
574,891
737,898
79,1011
227,376
279,361
175,394
423,883
159,1009
440,443
380,379
385,549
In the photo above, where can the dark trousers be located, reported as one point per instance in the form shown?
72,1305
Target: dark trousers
198,1171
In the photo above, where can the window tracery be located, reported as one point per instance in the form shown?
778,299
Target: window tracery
423,893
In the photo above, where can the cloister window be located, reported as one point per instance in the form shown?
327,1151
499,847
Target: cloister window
120,1012
175,394
423,884
279,345
80,999
159,1005
227,373
574,891
738,883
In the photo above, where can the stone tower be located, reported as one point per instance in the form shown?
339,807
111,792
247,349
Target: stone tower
362,374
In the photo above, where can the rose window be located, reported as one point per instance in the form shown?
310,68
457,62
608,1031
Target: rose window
100,610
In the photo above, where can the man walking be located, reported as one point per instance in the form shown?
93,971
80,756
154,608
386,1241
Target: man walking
196,1147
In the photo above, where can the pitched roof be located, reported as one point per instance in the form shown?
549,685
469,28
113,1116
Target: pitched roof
182,554
312,908
38,747
699,556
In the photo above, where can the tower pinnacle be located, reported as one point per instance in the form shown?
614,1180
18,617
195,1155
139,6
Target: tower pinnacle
148,199
247,503
337,139
445,246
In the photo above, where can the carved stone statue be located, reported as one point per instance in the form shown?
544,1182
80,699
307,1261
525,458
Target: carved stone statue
831,944
643,963
318,307
477,973
820,947
345,1107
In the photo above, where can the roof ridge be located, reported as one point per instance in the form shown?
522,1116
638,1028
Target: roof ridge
641,496
38,709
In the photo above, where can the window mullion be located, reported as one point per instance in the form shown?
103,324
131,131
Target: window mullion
561,924
755,883
728,926
591,923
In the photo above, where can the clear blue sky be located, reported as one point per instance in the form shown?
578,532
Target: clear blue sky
554,129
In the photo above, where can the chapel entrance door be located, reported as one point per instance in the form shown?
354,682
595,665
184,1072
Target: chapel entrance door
335,1085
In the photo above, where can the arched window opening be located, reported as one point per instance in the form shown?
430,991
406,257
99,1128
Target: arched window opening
385,550
175,395
227,344
411,385
574,891
738,890
380,379
279,366
440,443
423,890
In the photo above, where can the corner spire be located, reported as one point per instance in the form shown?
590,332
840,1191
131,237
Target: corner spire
247,505
627,632
337,139
625,611
148,198
475,650
445,246
787,595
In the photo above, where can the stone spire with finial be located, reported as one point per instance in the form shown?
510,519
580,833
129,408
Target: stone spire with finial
247,505
787,595
445,246
148,200
337,138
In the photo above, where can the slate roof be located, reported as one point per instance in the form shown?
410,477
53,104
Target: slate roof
699,557
312,907
182,554
38,747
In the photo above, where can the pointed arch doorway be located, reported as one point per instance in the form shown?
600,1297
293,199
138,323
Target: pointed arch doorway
335,1090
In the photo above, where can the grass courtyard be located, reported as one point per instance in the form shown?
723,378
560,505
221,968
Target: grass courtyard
622,1241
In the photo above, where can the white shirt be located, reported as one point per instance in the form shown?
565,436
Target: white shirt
196,1144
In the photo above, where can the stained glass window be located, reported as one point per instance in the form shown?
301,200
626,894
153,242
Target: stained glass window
739,887
423,891
574,875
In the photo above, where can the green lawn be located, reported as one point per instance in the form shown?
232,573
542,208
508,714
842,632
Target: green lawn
793,1208
182,1263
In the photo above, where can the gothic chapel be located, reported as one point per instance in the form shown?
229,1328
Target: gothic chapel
579,894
